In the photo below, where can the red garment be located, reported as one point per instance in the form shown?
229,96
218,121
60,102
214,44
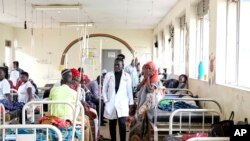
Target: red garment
74,72
154,77
85,79
11,84
18,84
73,85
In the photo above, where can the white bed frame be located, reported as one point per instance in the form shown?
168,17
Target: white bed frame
155,124
209,139
35,103
34,127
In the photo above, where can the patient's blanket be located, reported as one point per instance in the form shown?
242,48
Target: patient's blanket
166,105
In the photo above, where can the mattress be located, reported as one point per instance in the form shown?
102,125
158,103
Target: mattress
163,116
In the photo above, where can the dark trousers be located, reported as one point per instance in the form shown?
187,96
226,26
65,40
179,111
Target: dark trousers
122,128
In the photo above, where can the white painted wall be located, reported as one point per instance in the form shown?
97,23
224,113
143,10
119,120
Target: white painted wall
55,41
231,99
7,33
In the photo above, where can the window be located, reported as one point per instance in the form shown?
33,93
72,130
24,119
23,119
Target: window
202,41
171,49
181,48
237,47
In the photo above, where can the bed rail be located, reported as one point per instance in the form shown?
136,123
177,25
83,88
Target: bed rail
172,126
35,103
155,122
190,111
184,99
33,126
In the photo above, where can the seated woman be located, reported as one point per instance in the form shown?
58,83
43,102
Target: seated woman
26,90
65,93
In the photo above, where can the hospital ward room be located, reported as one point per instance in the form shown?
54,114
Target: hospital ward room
124,70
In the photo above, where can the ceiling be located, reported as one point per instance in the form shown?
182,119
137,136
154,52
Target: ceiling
134,14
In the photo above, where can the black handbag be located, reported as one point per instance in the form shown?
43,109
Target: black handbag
222,129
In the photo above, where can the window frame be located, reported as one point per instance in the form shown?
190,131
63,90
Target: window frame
226,81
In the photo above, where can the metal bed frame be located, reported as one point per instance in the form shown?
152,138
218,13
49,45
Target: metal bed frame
209,139
35,103
171,126
33,127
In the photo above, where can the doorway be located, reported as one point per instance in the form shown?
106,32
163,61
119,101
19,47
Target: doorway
108,57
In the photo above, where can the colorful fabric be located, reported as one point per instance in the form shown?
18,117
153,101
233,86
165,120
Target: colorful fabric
177,105
41,134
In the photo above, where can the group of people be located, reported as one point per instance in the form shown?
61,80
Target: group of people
116,90
17,79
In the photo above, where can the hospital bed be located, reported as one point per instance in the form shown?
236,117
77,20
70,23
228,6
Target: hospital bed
32,104
32,134
183,120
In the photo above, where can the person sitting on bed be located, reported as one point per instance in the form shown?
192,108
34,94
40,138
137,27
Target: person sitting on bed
63,93
4,87
26,90
183,81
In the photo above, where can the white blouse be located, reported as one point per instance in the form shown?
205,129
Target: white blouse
23,91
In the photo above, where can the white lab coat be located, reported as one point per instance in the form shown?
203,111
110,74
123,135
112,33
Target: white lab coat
117,104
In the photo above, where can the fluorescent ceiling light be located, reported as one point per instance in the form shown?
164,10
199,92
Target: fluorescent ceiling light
57,7
76,24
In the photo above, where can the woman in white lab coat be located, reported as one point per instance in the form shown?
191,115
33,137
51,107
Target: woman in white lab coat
118,97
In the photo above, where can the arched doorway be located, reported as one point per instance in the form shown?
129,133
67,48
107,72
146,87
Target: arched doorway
91,36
